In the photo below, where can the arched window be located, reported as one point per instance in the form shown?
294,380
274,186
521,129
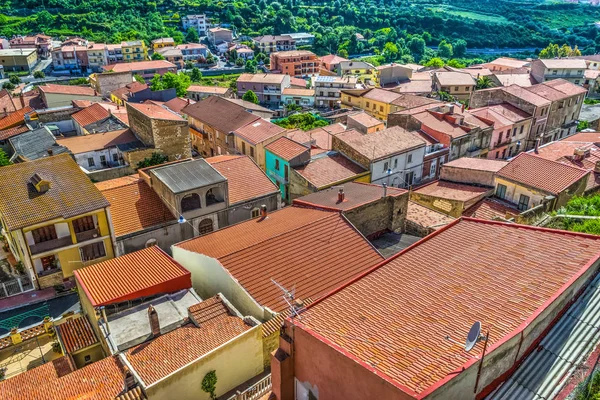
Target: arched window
205,226
190,202
211,198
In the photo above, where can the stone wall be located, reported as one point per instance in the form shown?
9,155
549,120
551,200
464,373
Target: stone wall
111,173
468,176
351,153
109,81
386,214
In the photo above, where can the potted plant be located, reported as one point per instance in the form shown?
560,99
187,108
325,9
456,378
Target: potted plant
2,374
19,267
56,347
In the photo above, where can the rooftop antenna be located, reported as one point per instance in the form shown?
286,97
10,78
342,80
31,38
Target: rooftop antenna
288,297
473,337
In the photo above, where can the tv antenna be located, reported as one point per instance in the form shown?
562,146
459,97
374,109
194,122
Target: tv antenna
288,297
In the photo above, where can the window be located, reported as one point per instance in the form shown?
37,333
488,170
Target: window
367,104
432,169
190,202
49,262
501,191
91,162
554,72
115,157
456,89
44,234
205,226
408,178
276,164
103,160
497,154
409,159
514,131
385,166
523,202
92,251
84,224
396,163
252,152
380,108
255,212
243,147
521,131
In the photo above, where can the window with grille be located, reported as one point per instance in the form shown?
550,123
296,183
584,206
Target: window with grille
44,234
84,224
205,226
92,251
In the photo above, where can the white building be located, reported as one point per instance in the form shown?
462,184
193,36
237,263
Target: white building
198,22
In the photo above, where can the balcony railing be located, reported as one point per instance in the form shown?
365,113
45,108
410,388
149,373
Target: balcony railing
50,245
50,271
15,286
87,235
255,391
278,178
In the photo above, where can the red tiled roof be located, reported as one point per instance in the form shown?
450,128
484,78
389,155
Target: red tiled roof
286,148
133,87
220,114
17,130
15,118
97,141
167,353
583,137
492,209
177,104
140,66
142,273
327,169
7,104
155,111
68,89
207,89
426,217
332,59
134,206
311,250
91,114
101,380
258,131
452,191
379,319
550,176
479,164
245,179
356,194
318,137
77,334
382,144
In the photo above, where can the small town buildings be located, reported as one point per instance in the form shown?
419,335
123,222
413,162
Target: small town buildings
41,43
280,156
364,71
63,95
298,63
126,92
267,87
572,70
372,209
18,59
328,89
505,64
457,84
96,119
192,52
252,138
242,51
172,55
364,123
298,96
302,38
330,62
427,277
114,53
245,268
380,103
422,221
106,82
269,43
197,21
197,92
472,171
465,134
394,156
218,35
48,236
146,69
529,181
511,129
162,42
393,74
134,50
33,144
448,197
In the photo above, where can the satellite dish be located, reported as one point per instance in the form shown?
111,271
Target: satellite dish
474,336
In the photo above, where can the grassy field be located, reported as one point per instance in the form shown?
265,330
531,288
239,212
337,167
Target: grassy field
467,14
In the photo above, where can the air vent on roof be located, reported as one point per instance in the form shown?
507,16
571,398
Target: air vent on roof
41,185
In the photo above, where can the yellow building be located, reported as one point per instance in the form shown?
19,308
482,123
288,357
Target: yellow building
163,42
54,219
134,51
365,72
18,59
251,139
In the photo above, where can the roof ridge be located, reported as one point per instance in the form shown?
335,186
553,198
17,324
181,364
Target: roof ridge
552,161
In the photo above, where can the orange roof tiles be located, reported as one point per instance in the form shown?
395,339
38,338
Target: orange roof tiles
327,169
492,209
550,176
426,217
68,89
17,130
91,114
311,250
479,164
382,144
452,191
356,194
394,319
317,137
365,119
15,118
133,87
97,141
245,179
142,273
177,104
167,353
286,148
155,111
258,131
77,334
140,66
207,89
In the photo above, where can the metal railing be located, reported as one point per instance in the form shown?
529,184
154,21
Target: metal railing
87,235
255,391
15,286
50,245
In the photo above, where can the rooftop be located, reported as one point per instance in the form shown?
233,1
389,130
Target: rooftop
501,114
71,192
252,252
262,78
139,274
35,144
492,209
220,114
97,141
509,62
292,91
286,148
134,206
561,63
294,53
525,94
258,131
450,78
550,176
317,137
91,114
332,59
156,111
378,319
208,89
329,168
479,164
77,334
379,145
68,89
15,118
139,66
426,217
271,38
186,175
163,40
365,119
452,191
16,52
355,195
133,87
245,179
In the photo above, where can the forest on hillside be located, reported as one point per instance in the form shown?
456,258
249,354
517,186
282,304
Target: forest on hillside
398,29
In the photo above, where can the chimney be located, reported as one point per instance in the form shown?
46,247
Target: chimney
188,101
537,145
384,189
462,108
263,211
22,99
341,195
597,167
154,323
578,154
50,152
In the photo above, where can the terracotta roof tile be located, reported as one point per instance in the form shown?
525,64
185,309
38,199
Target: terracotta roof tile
77,334
177,104
426,217
133,87
479,164
15,118
274,324
142,273
356,194
379,145
97,141
317,137
140,66
550,176
220,114
7,103
333,59
155,111
329,168
17,130
286,148
379,318
262,78
71,192
365,119
291,91
451,78
91,114
452,191
207,89
68,89
245,179
492,209
167,353
307,239
258,131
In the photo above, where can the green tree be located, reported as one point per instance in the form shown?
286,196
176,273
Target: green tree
390,51
445,50
8,86
156,83
435,62
155,159
484,82
239,62
139,78
445,96
189,65
343,53
192,35
39,74
416,45
180,82
196,75
250,96
14,79
459,48
209,383
426,37
4,160
583,124
250,66
261,57
456,64
157,56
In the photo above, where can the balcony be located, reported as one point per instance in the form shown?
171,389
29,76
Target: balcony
50,245
87,235
280,179
271,90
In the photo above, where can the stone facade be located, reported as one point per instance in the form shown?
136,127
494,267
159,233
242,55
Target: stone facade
377,217
105,83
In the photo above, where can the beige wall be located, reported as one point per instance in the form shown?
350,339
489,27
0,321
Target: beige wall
61,100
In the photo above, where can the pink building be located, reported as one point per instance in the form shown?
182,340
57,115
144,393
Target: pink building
146,69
